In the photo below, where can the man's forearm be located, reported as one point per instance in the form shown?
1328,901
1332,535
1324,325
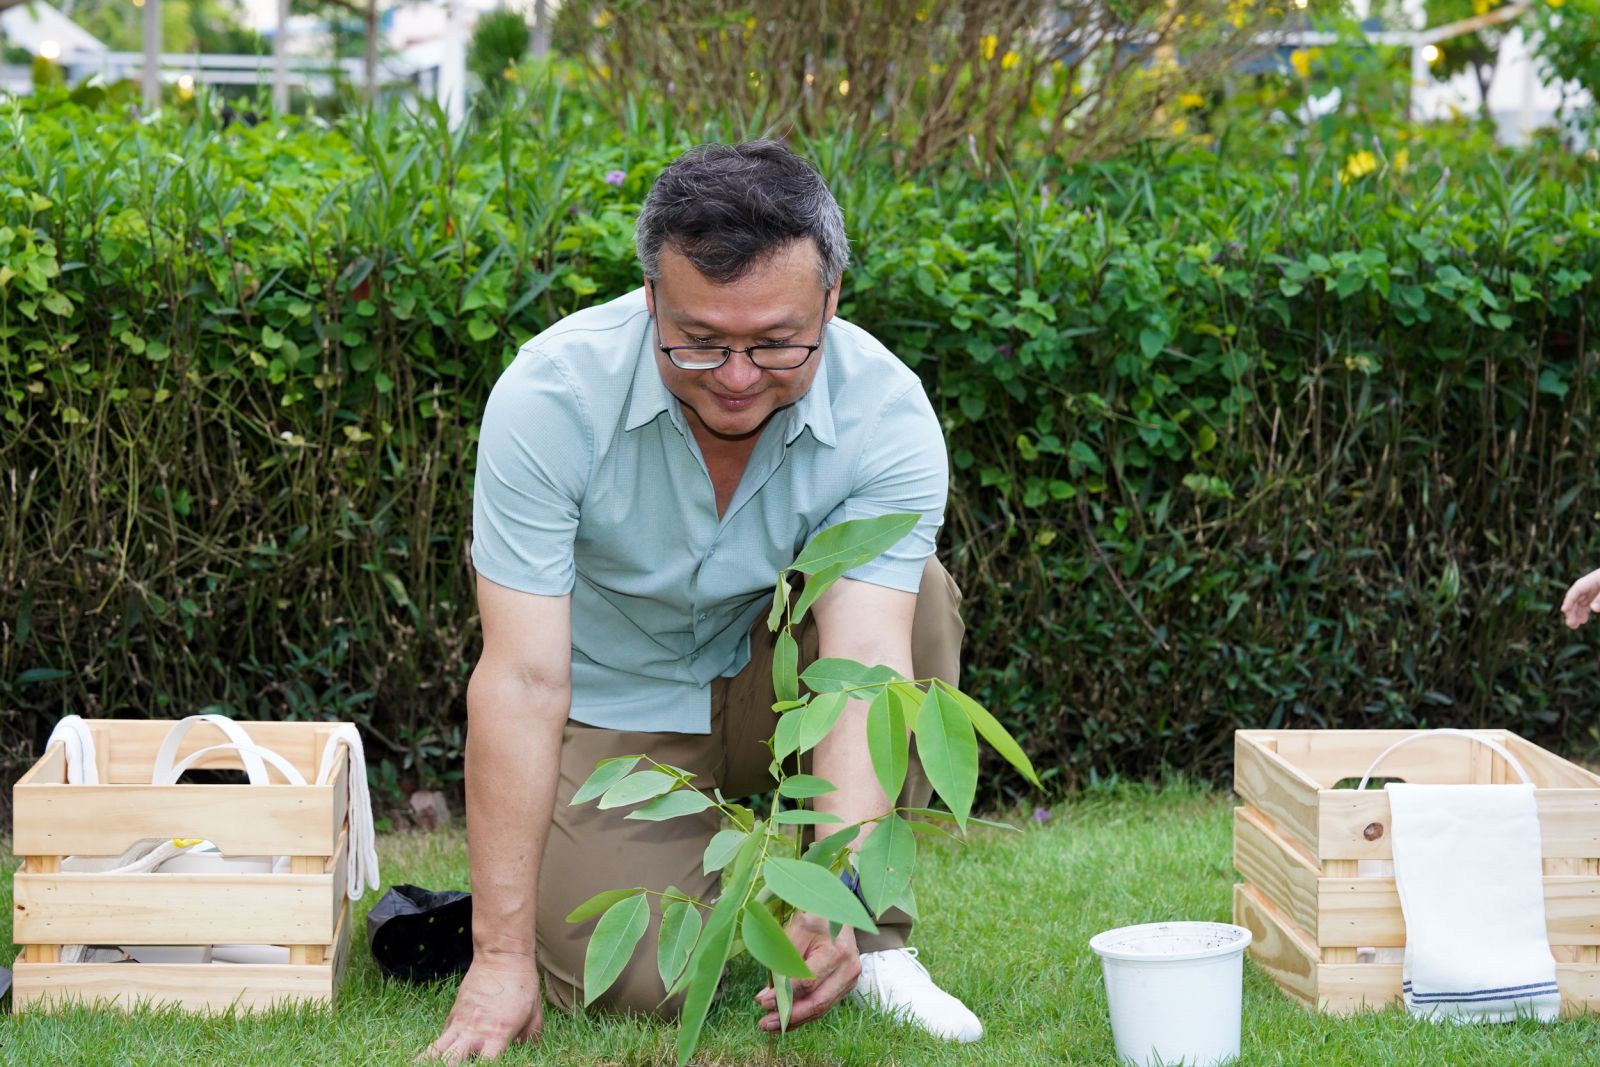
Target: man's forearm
513,765
842,758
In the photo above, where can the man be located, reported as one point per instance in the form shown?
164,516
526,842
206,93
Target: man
645,469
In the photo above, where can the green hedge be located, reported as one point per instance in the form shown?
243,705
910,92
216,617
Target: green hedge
1232,448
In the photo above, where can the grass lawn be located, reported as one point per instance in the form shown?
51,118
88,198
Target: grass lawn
1008,921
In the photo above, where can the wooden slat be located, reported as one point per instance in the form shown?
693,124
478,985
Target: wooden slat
217,987
131,746
242,820
173,909
1328,756
1275,868
1346,988
340,784
48,769
1569,823
44,951
1350,987
1366,911
1548,769
341,951
1339,951
1276,946
1275,787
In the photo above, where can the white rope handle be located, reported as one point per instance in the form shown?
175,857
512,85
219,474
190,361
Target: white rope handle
74,735
1496,746
363,866
249,751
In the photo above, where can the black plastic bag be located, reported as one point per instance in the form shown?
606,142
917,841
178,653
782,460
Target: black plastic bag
418,935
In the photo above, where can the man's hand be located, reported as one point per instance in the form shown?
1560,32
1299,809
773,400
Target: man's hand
1580,599
498,1003
835,962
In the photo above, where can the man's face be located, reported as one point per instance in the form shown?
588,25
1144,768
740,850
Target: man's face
777,301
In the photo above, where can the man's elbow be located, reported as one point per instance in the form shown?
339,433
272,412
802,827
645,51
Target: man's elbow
499,690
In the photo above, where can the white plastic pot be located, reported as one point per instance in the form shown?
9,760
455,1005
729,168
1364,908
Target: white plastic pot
1174,990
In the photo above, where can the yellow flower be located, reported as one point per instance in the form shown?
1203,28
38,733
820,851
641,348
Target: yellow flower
1180,127
750,23
603,19
1008,61
936,69
989,43
1402,160
922,14
1300,60
1358,165
1557,3
1190,101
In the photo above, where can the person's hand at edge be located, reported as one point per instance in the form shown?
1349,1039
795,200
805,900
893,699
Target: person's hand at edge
497,1005
1580,599
835,962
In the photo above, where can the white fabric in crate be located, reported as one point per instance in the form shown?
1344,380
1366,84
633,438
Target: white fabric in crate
1469,869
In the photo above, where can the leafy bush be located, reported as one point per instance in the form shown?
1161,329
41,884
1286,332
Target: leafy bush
1311,445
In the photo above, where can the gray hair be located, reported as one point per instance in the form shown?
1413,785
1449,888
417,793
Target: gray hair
728,207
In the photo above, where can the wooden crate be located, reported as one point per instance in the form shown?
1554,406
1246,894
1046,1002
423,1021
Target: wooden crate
304,909
1298,843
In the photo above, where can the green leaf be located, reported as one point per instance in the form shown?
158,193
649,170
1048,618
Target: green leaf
805,817
785,659
42,674
825,851
888,743
885,863
780,600
908,903
671,806
704,970
818,717
680,929
785,992
804,786
949,752
637,787
800,730
945,816
816,585
481,329
724,845
607,773
997,736
615,937
769,944
600,902
786,738
831,674
816,890
854,542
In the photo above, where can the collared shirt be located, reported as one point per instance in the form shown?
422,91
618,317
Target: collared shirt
590,482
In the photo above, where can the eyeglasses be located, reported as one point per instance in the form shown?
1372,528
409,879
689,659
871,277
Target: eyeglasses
767,357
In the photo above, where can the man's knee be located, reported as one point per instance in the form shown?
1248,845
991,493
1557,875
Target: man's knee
637,991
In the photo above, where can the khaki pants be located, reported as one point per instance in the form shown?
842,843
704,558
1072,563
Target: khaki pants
590,850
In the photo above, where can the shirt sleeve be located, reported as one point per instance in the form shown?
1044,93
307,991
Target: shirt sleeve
535,451
903,468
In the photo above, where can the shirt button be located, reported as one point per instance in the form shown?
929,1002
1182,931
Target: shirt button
702,616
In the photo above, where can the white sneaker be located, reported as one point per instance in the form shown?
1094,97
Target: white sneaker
894,982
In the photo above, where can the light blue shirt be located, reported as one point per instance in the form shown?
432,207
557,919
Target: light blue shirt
589,482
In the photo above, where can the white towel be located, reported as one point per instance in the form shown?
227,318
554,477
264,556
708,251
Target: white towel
1471,879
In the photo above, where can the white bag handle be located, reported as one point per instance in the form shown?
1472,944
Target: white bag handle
1498,748
249,751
